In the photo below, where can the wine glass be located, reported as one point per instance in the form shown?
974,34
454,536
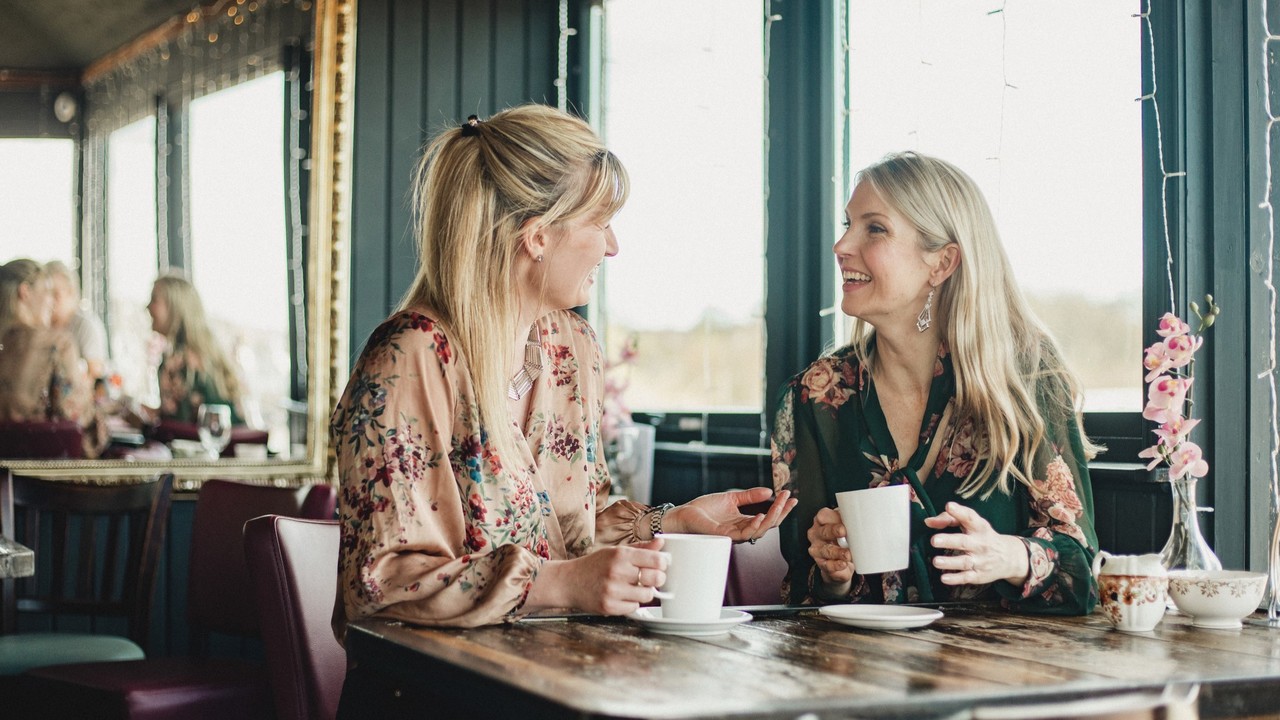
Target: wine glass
214,421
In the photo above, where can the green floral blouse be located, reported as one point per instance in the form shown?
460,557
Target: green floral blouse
185,386
831,436
437,527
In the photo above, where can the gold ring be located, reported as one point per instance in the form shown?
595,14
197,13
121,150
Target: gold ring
640,577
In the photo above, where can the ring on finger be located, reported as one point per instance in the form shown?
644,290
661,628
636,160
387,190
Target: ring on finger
640,577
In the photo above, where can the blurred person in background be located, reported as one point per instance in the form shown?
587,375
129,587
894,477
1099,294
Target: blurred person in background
42,376
194,370
89,333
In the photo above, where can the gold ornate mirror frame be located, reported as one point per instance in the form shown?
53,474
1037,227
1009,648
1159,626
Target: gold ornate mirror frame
327,296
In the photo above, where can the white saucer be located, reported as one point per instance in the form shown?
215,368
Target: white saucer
880,617
651,618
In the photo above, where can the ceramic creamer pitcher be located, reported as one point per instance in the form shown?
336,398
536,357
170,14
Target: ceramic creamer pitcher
1132,589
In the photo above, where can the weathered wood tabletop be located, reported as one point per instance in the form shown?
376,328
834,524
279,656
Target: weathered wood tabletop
15,560
803,665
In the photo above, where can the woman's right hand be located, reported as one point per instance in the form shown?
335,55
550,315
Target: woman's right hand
608,581
834,562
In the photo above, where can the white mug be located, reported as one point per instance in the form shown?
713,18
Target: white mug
877,523
696,573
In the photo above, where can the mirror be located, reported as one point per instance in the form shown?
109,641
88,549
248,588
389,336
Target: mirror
227,57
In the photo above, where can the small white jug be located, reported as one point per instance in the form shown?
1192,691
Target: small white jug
1132,589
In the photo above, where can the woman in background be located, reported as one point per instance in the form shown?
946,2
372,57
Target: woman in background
194,369
42,376
950,385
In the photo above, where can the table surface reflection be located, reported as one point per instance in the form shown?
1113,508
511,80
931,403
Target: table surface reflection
787,665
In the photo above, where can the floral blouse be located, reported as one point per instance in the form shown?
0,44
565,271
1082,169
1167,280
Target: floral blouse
437,527
185,386
42,378
831,436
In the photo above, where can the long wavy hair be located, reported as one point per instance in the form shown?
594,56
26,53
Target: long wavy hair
472,194
1009,372
13,275
188,331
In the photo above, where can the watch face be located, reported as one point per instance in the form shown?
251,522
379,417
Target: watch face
64,107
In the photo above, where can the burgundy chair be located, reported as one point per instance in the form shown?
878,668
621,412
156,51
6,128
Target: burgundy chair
45,440
168,430
756,572
96,548
219,600
294,564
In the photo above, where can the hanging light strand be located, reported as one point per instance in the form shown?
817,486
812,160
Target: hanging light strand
1165,175
1268,278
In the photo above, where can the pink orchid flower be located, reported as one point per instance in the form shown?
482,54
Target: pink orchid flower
1156,362
1166,397
1188,460
1175,430
1179,349
1171,326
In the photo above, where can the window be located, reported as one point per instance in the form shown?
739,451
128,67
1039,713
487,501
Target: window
1036,103
132,256
683,107
238,242
37,183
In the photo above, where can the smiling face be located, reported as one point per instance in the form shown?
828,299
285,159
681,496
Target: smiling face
573,257
885,272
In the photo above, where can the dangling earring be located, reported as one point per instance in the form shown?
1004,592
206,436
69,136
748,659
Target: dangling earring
925,318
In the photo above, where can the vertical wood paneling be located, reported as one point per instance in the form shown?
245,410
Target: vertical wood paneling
510,40
475,71
540,60
407,91
371,182
441,103
421,66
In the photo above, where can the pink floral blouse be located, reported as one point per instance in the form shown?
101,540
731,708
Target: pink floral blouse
437,528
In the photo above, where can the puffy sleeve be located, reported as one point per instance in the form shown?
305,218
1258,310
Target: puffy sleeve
1060,537
797,467
436,529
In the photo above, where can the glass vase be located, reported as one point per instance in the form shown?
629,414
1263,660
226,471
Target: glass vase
1186,548
1273,557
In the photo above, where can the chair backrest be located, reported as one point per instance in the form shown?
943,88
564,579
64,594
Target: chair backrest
294,564
43,439
96,548
756,572
217,596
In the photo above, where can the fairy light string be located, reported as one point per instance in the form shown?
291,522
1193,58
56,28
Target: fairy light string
1268,277
1165,175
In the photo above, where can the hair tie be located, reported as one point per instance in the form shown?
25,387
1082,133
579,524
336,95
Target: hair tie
471,126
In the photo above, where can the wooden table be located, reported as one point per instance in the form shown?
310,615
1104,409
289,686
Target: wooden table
801,665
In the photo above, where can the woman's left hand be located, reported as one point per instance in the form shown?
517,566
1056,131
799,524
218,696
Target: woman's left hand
980,555
718,514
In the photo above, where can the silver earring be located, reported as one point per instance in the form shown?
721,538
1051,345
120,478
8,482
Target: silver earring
539,258
925,318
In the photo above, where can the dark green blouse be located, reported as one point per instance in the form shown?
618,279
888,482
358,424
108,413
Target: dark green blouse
831,435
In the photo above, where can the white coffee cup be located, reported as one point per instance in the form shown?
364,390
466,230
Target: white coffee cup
877,522
699,565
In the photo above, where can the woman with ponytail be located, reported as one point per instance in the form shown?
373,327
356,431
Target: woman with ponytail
474,485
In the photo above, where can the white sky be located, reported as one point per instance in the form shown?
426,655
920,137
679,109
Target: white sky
1059,159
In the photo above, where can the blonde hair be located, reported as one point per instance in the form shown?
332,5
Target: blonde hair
13,275
189,331
1008,368
473,192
